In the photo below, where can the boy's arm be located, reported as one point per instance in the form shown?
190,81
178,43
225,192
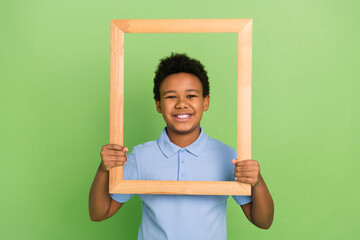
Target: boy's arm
261,210
101,206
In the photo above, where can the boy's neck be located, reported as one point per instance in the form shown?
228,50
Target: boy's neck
183,140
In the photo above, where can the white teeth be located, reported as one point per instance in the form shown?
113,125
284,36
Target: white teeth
182,116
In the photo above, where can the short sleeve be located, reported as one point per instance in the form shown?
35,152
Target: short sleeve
129,173
241,200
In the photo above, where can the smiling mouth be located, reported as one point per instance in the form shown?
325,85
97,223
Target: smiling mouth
183,116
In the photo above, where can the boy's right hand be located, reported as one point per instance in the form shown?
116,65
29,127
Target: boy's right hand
113,155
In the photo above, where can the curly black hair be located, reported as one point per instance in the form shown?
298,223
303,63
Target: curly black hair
177,63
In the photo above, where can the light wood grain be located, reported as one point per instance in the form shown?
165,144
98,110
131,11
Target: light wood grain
180,25
116,96
244,92
118,29
181,187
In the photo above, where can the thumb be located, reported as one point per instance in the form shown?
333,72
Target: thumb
233,161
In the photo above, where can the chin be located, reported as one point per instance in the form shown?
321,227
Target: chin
183,131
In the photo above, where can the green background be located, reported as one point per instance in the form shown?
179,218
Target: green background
54,95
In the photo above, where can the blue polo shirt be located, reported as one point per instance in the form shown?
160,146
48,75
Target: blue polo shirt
182,217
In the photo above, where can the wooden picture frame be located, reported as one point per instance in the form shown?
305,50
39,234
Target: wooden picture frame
118,29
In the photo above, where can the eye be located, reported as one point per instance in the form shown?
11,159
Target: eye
171,97
191,96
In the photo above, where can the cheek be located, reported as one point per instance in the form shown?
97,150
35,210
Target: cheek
166,107
200,106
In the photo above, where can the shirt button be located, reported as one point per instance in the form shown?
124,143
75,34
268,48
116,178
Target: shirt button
182,150
182,161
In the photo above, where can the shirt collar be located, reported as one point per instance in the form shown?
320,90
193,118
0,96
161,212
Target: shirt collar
168,148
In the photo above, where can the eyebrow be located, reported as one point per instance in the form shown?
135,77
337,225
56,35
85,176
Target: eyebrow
188,90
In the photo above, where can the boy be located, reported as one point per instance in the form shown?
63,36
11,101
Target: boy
183,152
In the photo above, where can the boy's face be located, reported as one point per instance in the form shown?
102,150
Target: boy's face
182,103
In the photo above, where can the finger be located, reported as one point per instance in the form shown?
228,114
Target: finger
247,179
115,164
109,160
241,179
235,161
107,156
244,180
246,174
246,162
114,147
110,164
115,153
246,169
125,149
119,163
116,158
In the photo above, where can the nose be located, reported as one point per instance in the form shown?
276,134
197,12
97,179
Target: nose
181,103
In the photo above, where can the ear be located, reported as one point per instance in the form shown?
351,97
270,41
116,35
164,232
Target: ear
206,103
158,106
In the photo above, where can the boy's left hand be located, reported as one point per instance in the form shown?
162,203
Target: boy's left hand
247,171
